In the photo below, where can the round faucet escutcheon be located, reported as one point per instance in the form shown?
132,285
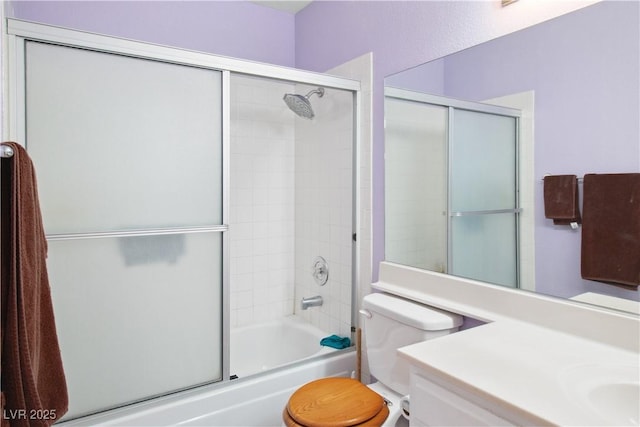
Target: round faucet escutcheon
320,271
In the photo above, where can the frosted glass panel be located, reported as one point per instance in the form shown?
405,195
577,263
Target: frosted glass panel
122,143
484,248
416,184
136,316
483,159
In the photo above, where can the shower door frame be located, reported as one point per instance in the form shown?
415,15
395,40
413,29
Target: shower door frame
19,32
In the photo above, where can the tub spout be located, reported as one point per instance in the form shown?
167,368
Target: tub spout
311,302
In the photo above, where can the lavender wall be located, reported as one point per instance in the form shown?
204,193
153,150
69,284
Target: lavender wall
230,28
404,34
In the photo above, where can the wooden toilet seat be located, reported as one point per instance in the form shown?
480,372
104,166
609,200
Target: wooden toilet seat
335,402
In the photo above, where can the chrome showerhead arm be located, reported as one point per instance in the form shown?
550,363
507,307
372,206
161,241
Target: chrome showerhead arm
319,91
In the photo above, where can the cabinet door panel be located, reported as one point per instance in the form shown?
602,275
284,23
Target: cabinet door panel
440,407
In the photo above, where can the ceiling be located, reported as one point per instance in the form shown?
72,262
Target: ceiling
291,6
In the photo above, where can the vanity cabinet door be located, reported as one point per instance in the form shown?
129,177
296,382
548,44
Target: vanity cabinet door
433,405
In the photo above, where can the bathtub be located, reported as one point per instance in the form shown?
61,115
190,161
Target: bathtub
253,400
258,348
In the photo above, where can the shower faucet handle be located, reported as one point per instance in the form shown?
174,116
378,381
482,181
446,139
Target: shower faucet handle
320,271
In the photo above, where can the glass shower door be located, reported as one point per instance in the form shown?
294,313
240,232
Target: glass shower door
129,159
483,197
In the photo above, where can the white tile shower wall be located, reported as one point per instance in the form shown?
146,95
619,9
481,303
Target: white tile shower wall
324,208
262,201
324,200
361,68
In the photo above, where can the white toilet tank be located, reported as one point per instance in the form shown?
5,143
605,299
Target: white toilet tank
392,322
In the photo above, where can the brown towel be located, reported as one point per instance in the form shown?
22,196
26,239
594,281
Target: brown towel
561,199
34,390
611,229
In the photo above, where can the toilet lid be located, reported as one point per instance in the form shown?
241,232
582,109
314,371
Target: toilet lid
334,402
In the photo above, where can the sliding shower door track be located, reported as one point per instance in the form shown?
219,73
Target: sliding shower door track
133,233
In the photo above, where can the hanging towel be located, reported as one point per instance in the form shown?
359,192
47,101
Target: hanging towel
561,199
611,229
335,341
34,390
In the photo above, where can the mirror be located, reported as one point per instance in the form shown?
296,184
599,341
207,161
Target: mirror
576,81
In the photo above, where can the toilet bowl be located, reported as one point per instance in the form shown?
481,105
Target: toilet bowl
390,322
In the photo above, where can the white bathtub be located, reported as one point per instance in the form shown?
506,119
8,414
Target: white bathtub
257,348
255,400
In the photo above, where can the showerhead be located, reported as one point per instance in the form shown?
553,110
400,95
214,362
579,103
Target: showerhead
300,104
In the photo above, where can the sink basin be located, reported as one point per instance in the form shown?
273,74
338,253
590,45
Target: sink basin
619,402
610,391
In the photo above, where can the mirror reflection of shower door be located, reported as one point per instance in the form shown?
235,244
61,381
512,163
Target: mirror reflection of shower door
416,184
451,201
482,195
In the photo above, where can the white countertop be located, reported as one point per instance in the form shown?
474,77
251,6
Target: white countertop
535,360
524,369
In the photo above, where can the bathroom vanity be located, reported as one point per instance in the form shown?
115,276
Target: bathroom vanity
536,361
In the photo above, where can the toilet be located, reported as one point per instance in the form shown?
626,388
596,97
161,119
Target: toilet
390,322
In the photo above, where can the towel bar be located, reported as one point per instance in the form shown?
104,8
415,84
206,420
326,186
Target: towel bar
548,174
6,151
